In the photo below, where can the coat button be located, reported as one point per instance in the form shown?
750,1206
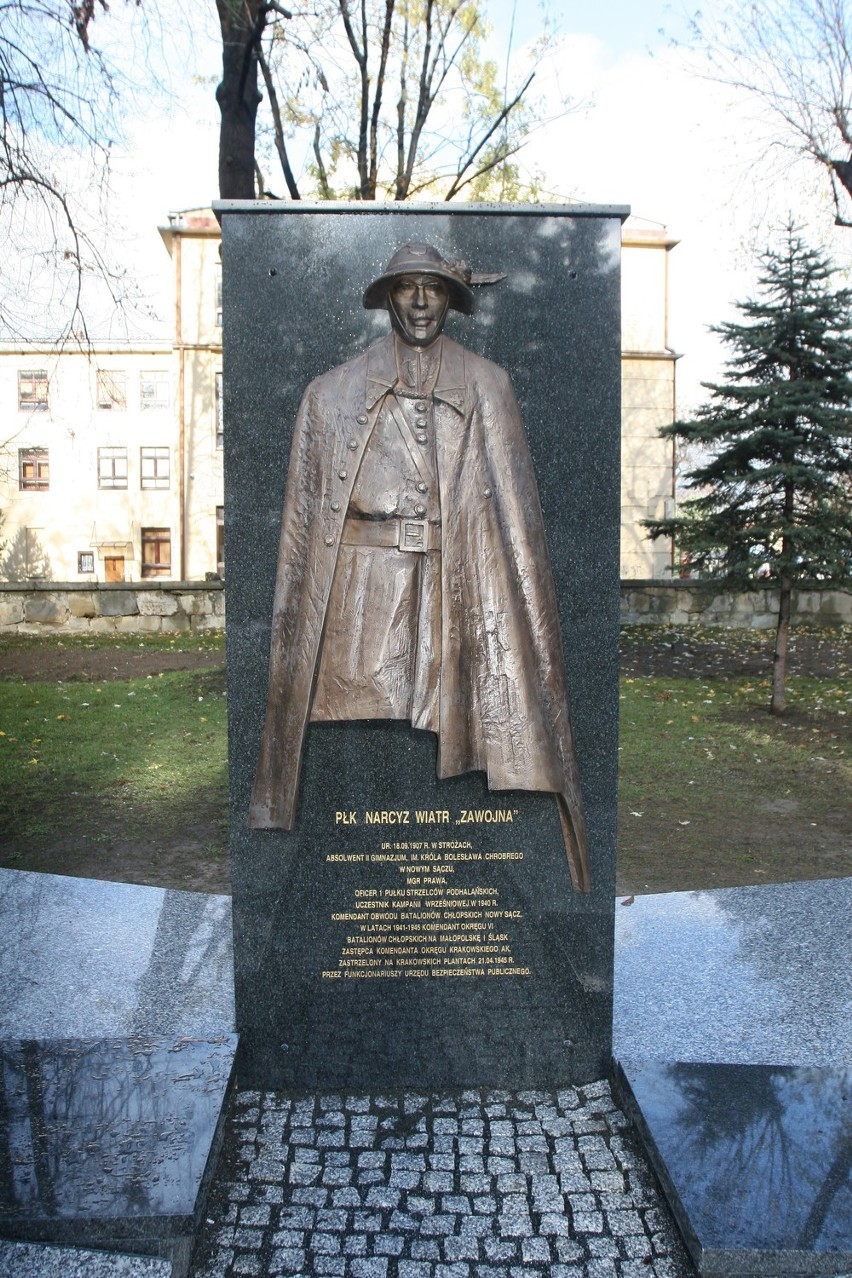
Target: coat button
361,419
420,408
420,510
335,505
353,444
422,439
341,474
329,541
486,492
422,488
420,421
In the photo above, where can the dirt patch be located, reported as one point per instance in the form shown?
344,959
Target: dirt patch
35,662
704,653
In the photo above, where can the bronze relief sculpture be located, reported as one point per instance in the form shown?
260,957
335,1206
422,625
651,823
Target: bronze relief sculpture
413,579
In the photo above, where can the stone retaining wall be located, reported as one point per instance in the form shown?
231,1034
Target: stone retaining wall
174,607
178,607
684,603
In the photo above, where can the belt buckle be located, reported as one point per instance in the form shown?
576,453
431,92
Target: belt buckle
413,534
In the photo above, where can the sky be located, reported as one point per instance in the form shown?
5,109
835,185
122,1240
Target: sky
647,131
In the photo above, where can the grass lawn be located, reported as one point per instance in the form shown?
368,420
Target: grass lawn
716,792
113,765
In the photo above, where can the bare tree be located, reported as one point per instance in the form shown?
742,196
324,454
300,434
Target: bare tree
57,99
795,56
392,98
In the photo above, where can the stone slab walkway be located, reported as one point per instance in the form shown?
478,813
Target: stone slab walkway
478,1184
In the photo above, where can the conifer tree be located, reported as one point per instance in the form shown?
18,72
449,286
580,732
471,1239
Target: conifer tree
775,489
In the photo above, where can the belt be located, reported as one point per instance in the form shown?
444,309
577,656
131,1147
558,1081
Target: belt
401,534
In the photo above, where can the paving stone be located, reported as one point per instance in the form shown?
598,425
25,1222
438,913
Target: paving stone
555,1223
442,1162
388,1244
337,1176
347,1196
535,1251
414,1269
624,1222
297,1218
500,1166
438,1224
408,1162
478,1226
384,1196
513,1183
515,1222
472,1164
405,1179
569,1251
357,1104
245,1265
425,1249
485,1204
607,1182
332,1221
355,1245
335,1266
311,1197
601,1269
288,1239
501,1249
457,1270
436,1182
329,1244
461,1247
368,1267
420,1205
286,1261
588,1222
457,1203
533,1163
375,1158
258,1214
403,1223
603,1247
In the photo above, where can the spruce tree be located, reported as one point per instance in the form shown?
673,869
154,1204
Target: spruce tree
775,489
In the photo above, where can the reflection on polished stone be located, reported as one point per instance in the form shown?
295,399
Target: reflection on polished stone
82,958
755,975
109,1142
755,1160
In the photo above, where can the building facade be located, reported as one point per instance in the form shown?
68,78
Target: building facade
111,458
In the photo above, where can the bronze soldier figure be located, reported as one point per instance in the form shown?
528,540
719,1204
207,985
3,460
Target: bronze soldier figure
413,579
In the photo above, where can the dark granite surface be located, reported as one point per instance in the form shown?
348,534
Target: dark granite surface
756,1161
292,289
83,958
110,1142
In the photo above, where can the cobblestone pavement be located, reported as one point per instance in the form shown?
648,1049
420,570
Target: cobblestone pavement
490,1184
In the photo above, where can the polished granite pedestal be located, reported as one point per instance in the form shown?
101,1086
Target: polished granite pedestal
733,1044
116,1057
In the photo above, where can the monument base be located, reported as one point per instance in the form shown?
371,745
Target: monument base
754,1161
111,1143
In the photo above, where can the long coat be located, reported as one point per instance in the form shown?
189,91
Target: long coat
503,701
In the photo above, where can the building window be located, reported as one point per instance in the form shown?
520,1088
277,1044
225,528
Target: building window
32,390
155,389
156,552
33,469
112,390
220,419
112,468
85,561
220,540
154,467
217,285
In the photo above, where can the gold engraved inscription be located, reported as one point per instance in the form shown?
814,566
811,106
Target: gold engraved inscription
423,924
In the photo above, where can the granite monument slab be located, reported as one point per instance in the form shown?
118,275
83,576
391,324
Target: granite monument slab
413,902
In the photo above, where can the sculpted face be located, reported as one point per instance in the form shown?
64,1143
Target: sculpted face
418,307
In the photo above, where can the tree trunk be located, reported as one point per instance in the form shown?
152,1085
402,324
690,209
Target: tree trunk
779,662
238,96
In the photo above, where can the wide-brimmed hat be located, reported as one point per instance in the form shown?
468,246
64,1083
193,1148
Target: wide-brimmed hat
421,259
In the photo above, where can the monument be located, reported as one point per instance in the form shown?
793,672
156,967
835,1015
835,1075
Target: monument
400,641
